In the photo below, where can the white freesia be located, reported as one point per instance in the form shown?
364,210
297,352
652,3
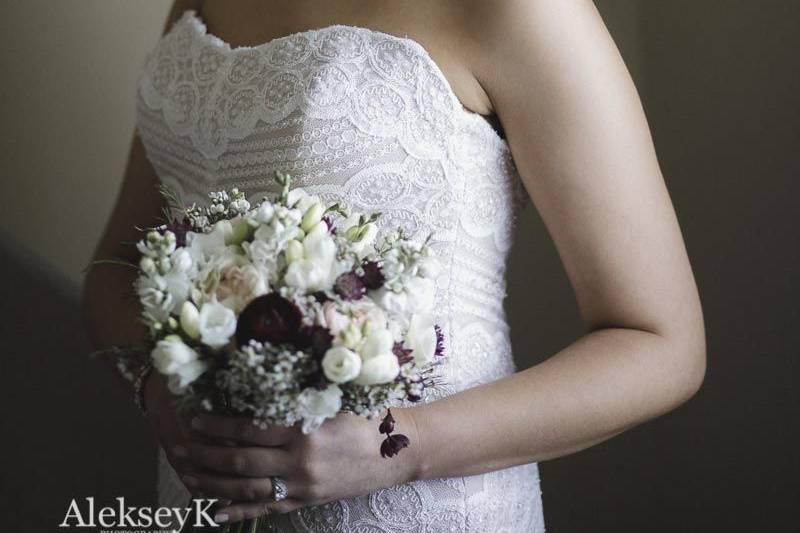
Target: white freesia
340,364
362,237
421,338
190,320
378,370
312,216
175,359
317,269
314,406
217,324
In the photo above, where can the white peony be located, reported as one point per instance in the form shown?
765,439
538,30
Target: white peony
217,324
175,359
378,370
341,365
314,406
421,338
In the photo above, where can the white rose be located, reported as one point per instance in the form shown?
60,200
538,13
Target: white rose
175,359
217,324
395,303
421,338
377,370
340,364
314,406
190,320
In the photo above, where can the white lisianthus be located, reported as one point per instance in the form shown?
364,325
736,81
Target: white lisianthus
190,320
314,406
421,338
175,359
378,370
341,365
430,267
217,324
421,292
377,343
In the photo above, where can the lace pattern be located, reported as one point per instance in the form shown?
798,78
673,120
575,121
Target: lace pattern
367,118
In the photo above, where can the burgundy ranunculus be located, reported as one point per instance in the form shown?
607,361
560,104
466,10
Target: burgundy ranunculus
268,318
392,445
349,286
316,338
373,278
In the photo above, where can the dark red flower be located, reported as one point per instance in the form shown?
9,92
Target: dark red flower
316,338
373,277
439,340
392,445
349,286
329,223
268,318
387,426
403,354
179,228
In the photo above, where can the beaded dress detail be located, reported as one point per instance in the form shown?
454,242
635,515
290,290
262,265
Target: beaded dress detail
368,119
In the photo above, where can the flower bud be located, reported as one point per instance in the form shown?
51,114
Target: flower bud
190,320
312,216
294,251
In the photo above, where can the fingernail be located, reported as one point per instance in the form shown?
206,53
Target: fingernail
179,451
189,481
221,518
197,423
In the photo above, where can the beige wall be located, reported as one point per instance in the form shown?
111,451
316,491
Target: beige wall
66,118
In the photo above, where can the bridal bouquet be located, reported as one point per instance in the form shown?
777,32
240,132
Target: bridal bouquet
288,311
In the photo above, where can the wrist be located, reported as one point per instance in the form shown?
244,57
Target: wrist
413,456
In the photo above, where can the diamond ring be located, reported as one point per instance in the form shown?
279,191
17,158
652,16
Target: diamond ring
278,488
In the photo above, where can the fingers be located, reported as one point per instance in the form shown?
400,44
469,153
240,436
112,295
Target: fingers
229,488
241,430
236,461
245,511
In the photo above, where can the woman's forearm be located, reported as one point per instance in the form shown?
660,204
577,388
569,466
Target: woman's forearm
604,383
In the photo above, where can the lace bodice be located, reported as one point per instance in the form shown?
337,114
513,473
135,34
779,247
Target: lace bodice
366,118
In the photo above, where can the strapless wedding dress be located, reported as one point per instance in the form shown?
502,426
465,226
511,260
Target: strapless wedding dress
366,118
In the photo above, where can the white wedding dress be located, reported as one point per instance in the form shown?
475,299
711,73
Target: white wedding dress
367,118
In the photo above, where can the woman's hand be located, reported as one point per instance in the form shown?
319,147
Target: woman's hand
340,459
170,428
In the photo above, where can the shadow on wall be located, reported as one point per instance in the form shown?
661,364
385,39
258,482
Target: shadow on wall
68,430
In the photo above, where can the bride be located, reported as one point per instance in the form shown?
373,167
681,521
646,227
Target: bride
444,115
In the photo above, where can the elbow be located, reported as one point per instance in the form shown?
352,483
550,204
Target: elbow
689,354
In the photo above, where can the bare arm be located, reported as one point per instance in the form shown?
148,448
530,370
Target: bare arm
582,145
581,142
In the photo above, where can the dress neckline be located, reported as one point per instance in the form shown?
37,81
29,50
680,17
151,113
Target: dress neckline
201,30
